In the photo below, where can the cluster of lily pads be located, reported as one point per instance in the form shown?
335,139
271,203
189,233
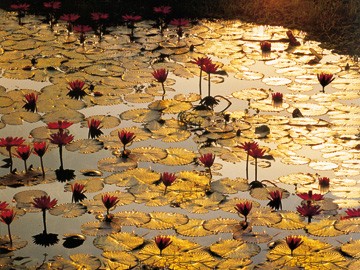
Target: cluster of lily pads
122,71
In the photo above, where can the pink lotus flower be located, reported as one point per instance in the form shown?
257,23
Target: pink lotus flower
9,142
94,128
265,46
162,10
244,209
324,184
7,218
310,196
275,199
293,242
30,102
277,98
325,79
44,203
309,210
21,9
61,138
52,5
210,68
200,62
207,160
78,191
256,152
162,242
131,18
109,202
71,17
23,152
125,137
40,150
167,179
76,89
160,76
98,16
247,146
61,124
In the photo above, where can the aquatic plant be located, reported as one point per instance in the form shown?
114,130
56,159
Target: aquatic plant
52,7
325,79
244,209
60,125
277,99
210,68
44,203
23,152
21,9
8,143
275,199
82,29
247,146
100,19
200,62
179,23
70,18
162,12
30,102
130,21
76,89
7,216
207,160
125,137
39,149
78,191
309,210
160,75
162,242
293,242
324,184
109,202
94,128
61,138
265,46
167,179
256,152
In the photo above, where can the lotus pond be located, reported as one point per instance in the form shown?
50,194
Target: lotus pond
250,160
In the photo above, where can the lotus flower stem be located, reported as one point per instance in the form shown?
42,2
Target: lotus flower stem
163,88
44,220
26,169
200,82
209,84
11,161
165,190
247,165
255,169
9,232
42,166
61,158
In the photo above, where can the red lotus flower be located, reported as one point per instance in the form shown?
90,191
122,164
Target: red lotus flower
257,152
265,46
179,22
207,159
78,192
8,142
7,216
61,138
324,181
82,28
209,67
325,79
44,203
98,16
277,97
275,199
3,206
163,10
71,17
292,39
247,146
52,5
21,7
40,148
309,210
310,196
76,89
126,137
201,61
30,102
293,242
160,75
61,124
109,202
244,209
23,152
94,128
162,242
131,18
167,179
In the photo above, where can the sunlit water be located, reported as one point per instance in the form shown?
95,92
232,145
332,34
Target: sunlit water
251,73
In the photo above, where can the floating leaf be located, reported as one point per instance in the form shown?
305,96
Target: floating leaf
323,228
84,146
119,260
289,221
178,156
121,241
96,228
193,228
85,261
234,249
132,218
165,220
68,210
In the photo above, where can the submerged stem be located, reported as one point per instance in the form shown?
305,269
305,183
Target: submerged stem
10,238
42,166
11,161
255,169
44,220
247,166
61,158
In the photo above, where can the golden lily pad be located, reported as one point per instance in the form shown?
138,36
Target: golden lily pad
351,225
231,248
107,121
193,228
140,115
115,164
230,186
16,244
171,135
229,205
165,220
276,81
95,228
251,94
68,210
352,248
221,225
119,260
202,205
323,228
289,221
67,115
132,218
18,118
170,106
178,156
237,263
139,98
297,179
84,146
85,261
25,198
121,241
133,177
91,184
